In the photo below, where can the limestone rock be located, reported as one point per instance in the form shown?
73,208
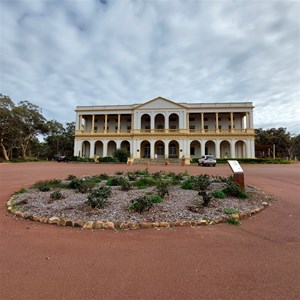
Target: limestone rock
53,220
202,222
133,225
88,225
235,216
145,225
164,224
62,222
69,223
108,225
265,204
78,223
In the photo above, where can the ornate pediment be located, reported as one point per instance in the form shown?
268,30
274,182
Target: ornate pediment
160,102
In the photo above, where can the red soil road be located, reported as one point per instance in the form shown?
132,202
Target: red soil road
257,260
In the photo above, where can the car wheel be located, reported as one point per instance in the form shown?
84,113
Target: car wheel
214,165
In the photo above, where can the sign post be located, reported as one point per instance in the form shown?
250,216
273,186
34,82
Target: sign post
238,173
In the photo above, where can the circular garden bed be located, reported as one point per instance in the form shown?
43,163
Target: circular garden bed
138,199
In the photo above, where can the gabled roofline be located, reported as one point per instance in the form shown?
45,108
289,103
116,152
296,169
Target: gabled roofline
165,99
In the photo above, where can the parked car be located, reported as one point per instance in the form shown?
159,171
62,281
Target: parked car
207,160
61,158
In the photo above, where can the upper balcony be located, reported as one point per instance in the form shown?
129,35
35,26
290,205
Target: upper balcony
164,132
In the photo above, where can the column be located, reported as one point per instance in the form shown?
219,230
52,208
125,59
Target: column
119,122
105,126
152,118
166,149
232,149
80,122
188,122
104,148
93,122
251,120
167,122
132,122
202,122
152,143
92,149
217,122
202,143
247,120
231,122
217,146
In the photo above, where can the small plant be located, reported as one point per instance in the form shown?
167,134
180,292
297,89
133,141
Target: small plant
125,184
113,181
85,187
162,189
206,197
131,176
75,183
188,184
121,155
233,221
156,199
140,204
202,182
233,189
218,194
98,198
56,195
21,191
44,188
145,182
103,176
157,175
118,173
70,177
229,211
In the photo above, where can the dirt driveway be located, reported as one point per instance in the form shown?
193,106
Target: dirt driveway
257,260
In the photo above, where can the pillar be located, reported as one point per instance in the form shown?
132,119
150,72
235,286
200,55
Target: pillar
202,123
152,143
231,122
119,122
105,125
80,122
217,148
93,122
217,122
232,149
92,149
105,148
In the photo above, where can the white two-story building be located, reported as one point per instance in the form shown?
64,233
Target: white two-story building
161,128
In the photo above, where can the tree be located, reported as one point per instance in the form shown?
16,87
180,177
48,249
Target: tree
296,146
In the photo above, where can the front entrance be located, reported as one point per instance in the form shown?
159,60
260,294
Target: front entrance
173,149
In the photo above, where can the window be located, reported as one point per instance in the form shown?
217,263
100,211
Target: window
192,119
192,150
205,127
205,119
220,127
95,128
219,119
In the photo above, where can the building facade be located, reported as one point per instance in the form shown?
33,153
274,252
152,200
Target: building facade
163,129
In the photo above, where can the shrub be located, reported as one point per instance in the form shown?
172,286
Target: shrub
75,183
145,182
188,184
113,181
54,183
118,173
103,176
106,159
206,197
157,175
70,177
121,155
125,184
98,198
85,187
162,189
233,221
56,195
229,211
156,199
131,176
140,204
44,188
234,190
218,194
21,191
202,182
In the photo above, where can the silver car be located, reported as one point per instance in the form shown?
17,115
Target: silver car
207,160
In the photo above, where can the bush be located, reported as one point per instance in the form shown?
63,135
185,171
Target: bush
162,189
107,159
202,182
56,195
75,183
70,177
145,182
54,183
121,155
156,199
233,221
140,204
125,184
98,198
218,194
44,188
194,160
131,176
103,176
113,181
230,211
234,190
206,197
85,187
188,184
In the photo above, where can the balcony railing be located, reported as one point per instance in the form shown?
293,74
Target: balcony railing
165,132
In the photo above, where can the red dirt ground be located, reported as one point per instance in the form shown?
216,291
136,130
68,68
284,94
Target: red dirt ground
257,260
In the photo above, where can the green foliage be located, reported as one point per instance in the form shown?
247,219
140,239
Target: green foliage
218,194
107,159
162,189
125,184
202,182
46,185
21,191
99,198
56,195
75,183
188,184
140,204
157,175
145,182
156,199
70,177
113,181
233,221
121,155
206,197
131,176
44,188
234,190
229,211
85,187
118,173
103,176
194,160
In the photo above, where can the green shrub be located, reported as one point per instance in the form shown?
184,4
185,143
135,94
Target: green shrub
56,195
121,155
107,159
157,175
145,182
21,191
70,177
140,204
194,160
98,198
131,176
229,211
44,188
202,182
156,199
218,194
85,187
75,183
206,197
162,189
103,176
233,221
188,184
234,190
125,184
118,173
53,183
113,181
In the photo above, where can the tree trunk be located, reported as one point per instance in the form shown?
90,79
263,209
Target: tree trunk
4,152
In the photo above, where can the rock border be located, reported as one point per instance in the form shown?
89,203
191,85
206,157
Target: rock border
130,225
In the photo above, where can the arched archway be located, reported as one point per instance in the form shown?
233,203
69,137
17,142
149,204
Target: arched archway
225,149
98,149
195,149
240,149
159,122
173,149
126,146
111,148
145,149
210,148
145,122
159,149
86,146
174,122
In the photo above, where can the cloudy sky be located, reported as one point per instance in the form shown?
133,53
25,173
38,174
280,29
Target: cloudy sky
59,54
